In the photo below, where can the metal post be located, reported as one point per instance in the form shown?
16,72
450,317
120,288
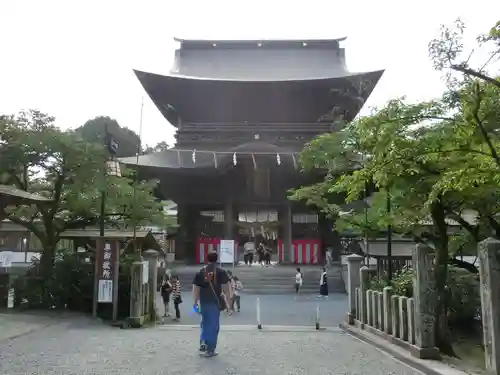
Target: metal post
389,237
259,323
367,244
107,144
317,317
116,280
96,255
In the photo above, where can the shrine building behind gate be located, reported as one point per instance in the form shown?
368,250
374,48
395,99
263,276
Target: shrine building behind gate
243,111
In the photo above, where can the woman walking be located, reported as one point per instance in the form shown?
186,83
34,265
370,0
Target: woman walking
298,282
323,284
166,291
176,294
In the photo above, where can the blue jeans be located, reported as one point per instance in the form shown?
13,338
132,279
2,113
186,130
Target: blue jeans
210,325
202,340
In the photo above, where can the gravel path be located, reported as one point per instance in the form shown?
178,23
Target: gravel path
81,346
16,324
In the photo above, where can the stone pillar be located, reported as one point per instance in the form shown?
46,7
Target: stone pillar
287,232
365,274
358,311
395,315
424,296
229,221
403,318
411,321
386,297
151,256
380,311
489,273
136,318
374,309
353,282
369,308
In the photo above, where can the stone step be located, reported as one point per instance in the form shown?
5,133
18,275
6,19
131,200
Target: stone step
284,286
271,280
245,279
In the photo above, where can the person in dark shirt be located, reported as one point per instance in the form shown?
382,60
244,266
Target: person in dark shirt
166,291
211,290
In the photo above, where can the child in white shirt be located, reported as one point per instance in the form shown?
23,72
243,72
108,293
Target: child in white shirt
237,288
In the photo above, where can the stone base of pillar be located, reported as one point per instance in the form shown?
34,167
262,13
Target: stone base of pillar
136,321
350,319
425,353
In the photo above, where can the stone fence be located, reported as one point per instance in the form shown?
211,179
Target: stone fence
407,322
394,315
489,273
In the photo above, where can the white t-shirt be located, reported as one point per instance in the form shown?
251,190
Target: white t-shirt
249,247
298,278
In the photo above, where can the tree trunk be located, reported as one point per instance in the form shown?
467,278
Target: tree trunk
443,336
46,272
47,261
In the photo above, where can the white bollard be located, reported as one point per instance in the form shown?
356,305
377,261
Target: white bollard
259,323
317,317
10,299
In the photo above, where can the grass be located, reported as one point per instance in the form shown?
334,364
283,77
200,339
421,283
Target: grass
469,350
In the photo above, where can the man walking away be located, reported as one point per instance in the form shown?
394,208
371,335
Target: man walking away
210,287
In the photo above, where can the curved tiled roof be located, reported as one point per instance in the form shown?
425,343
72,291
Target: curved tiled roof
202,99
277,42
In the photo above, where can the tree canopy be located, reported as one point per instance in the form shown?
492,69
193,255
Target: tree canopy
438,160
39,157
95,130
443,150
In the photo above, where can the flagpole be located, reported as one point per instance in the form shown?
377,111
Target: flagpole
138,151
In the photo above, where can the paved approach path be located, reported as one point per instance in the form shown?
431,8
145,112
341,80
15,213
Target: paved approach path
81,346
274,310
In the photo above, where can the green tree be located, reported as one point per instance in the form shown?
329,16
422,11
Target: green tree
38,157
436,158
160,146
95,130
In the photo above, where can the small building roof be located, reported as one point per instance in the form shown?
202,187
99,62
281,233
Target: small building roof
15,194
146,237
93,233
399,248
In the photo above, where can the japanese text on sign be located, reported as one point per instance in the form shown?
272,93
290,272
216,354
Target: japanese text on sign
106,262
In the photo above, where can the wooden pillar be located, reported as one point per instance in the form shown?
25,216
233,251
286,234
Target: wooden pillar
180,248
229,220
151,256
286,225
185,246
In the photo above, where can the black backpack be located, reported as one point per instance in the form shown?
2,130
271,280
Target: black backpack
210,277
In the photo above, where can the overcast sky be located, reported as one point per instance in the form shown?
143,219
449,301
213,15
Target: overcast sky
74,59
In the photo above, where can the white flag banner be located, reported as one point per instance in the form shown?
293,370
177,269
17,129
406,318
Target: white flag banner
6,258
226,252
